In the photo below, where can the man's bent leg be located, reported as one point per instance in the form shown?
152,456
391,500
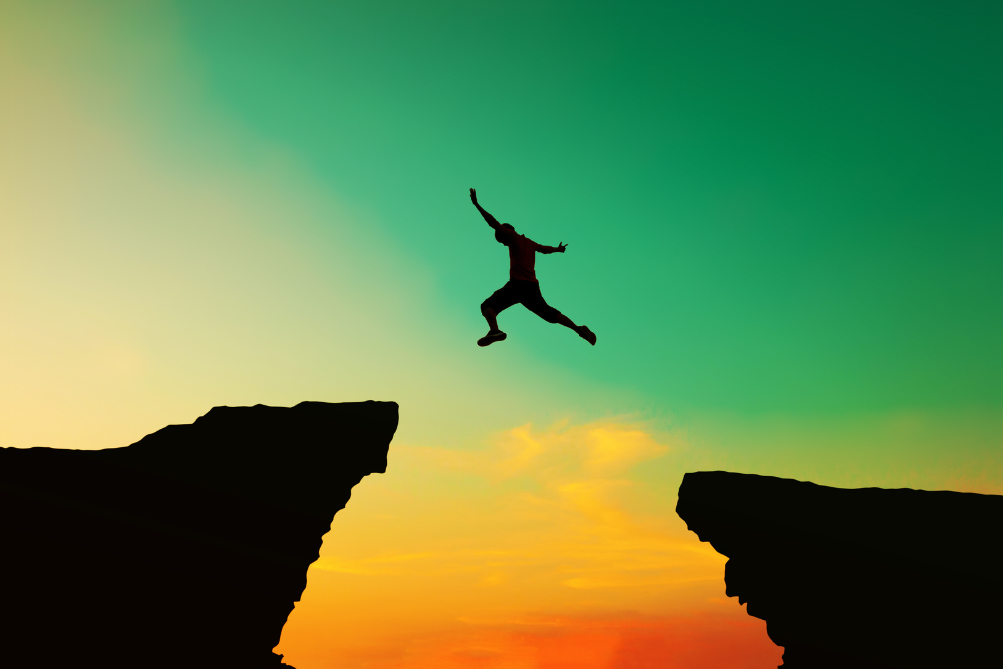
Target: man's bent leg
502,299
494,334
491,316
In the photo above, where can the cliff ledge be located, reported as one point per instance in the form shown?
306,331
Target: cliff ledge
188,548
857,578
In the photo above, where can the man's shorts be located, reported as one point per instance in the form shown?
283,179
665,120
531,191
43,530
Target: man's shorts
526,293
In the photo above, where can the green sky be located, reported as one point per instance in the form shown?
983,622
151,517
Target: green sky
785,208
780,211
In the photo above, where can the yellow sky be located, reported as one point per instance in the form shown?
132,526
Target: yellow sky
541,534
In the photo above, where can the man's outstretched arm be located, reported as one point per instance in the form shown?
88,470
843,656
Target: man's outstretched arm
492,221
552,249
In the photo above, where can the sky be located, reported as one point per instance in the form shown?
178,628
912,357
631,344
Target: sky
783,225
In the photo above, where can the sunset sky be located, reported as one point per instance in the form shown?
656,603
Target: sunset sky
784,225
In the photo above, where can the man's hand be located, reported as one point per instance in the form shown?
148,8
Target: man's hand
561,247
491,220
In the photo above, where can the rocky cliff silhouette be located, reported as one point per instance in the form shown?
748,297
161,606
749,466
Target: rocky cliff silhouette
188,548
858,578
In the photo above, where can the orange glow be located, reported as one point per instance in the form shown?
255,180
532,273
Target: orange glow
706,640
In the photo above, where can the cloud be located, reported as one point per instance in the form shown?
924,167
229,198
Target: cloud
615,447
382,564
562,505
595,449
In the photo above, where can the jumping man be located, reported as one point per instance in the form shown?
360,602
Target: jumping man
522,286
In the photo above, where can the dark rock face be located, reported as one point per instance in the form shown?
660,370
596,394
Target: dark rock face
858,578
188,548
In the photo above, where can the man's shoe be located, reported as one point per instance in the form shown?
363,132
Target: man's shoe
587,335
493,336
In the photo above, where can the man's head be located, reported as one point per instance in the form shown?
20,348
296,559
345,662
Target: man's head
503,237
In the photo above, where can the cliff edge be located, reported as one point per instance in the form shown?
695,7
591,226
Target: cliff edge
857,578
188,548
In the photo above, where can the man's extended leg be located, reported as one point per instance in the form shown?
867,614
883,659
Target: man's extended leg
535,303
582,330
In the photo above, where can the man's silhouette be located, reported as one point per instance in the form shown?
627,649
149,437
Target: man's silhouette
522,286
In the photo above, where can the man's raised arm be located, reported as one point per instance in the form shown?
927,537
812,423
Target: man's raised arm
492,221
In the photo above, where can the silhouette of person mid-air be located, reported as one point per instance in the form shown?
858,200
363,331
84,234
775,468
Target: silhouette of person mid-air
522,286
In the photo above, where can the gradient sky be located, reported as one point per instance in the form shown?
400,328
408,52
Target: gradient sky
784,226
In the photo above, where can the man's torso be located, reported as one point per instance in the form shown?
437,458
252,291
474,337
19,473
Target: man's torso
522,257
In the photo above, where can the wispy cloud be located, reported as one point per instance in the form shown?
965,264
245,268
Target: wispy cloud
597,449
561,503
381,564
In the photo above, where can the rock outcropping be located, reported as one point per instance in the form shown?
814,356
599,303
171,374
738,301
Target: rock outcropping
188,548
858,578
